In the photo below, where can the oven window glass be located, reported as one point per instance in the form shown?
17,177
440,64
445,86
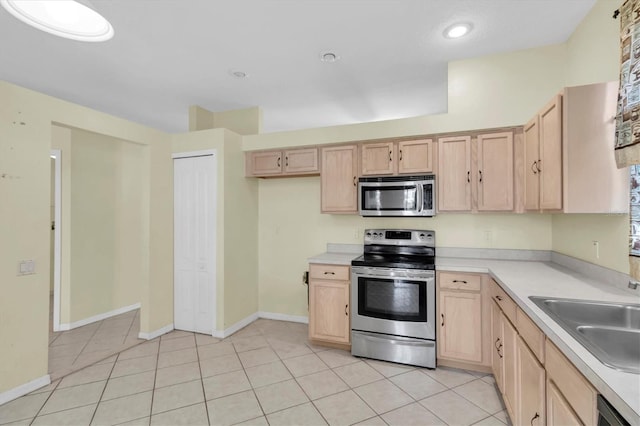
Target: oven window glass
392,299
395,198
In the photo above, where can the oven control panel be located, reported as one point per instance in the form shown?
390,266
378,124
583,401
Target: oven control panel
400,237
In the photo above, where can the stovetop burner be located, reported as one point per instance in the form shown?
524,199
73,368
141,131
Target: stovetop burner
398,248
395,261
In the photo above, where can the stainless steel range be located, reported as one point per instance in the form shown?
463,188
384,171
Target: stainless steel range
393,294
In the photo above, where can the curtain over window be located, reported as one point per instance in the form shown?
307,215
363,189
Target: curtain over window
627,148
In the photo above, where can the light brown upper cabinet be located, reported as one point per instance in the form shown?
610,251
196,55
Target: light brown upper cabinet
378,158
543,158
476,174
415,156
568,163
390,158
339,179
495,172
292,162
454,173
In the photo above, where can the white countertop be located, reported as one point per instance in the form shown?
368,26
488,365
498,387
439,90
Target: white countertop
521,279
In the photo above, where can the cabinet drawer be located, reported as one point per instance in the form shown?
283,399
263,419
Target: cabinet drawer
575,388
329,272
457,281
507,305
531,334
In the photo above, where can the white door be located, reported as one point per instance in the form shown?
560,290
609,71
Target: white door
194,229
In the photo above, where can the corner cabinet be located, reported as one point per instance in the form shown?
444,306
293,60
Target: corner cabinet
329,319
462,321
568,163
339,179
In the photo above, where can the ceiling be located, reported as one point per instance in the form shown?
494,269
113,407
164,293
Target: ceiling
169,54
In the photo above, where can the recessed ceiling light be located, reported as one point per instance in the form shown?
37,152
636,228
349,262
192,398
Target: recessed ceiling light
238,74
458,30
329,57
64,18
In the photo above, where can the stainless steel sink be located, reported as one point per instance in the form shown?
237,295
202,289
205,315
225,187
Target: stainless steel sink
610,331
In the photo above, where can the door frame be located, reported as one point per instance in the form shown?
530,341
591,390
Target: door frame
213,153
56,155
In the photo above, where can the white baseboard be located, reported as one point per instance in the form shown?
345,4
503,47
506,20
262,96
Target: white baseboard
99,317
159,332
283,317
221,334
24,389
235,327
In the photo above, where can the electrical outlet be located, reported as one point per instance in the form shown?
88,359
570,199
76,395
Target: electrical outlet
488,236
596,249
356,233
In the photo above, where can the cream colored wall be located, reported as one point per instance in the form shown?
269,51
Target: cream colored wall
592,56
292,229
26,119
574,235
241,235
245,121
236,228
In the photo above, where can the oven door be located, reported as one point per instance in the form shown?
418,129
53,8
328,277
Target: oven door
393,301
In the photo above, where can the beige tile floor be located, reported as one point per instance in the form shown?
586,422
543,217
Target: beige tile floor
76,349
266,374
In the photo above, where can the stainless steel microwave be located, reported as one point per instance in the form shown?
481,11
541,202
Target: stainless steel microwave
397,196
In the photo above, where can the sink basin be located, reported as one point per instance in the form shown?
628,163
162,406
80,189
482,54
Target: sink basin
610,331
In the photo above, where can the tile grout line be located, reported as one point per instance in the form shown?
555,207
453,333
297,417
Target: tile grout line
45,402
155,377
204,393
104,388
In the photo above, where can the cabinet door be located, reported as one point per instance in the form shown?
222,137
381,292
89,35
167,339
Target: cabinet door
497,357
339,179
415,156
266,163
531,157
377,158
550,162
329,311
495,172
531,387
509,335
559,412
298,161
454,174
461,326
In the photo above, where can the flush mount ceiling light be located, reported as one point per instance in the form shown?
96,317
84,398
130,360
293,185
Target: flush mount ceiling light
458,30
238,74
64,18
329,57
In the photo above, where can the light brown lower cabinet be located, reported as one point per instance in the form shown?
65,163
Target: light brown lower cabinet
559,412
509,337
329,304
461,325
539,385
530,377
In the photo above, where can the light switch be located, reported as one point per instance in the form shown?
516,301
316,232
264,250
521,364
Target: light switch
26,267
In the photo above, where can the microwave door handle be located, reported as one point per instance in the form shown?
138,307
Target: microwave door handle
419,197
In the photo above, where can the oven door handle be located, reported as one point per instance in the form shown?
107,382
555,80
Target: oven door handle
425,279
